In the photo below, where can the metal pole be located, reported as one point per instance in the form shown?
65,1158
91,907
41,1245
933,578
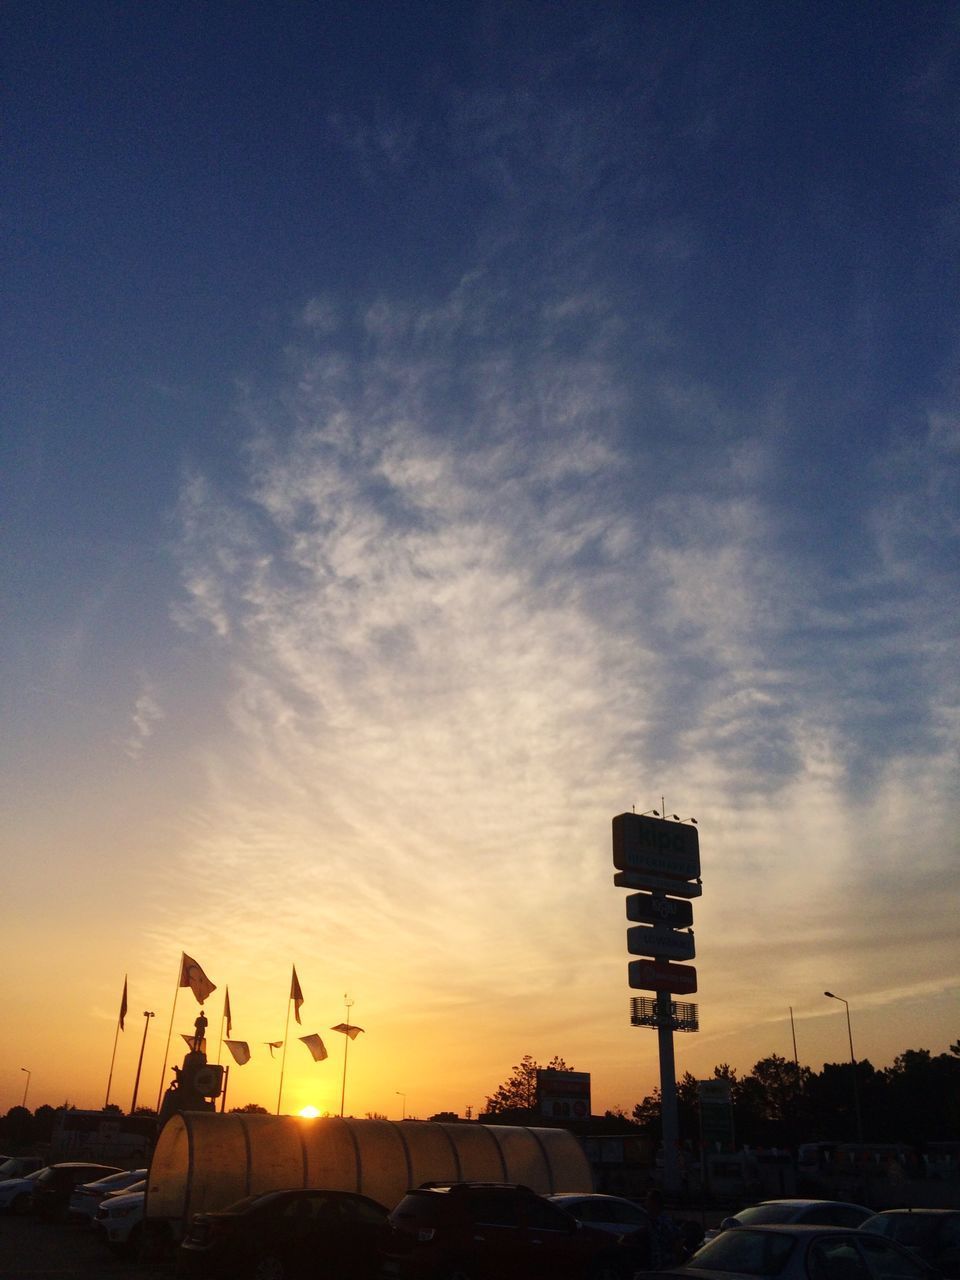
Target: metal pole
26,1086
853,1065
346,1045
668,1094
403,1114
147,1015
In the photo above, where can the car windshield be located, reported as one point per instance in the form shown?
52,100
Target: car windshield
759,1214
910,1229
752,1253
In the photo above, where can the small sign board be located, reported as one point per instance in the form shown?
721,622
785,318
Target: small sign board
563,1095
641,843
648,908
660,975
665,884
655,940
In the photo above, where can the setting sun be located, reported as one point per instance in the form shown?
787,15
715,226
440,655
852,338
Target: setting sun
309,1113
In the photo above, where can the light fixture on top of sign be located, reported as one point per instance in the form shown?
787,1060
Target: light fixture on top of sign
676,817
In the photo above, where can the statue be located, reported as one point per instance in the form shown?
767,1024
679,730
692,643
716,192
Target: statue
201,1029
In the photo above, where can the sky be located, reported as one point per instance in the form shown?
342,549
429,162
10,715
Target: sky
428,431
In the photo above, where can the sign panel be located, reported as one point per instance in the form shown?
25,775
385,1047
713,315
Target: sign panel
641,843
645,908
563,1094
666,884
660,975
656,940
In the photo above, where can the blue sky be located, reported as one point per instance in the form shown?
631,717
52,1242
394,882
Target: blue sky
430,430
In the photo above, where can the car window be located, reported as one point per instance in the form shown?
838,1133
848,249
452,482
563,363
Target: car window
760,1214
494,1210
753,1253
887,1262
361,1211
836,1258
834,1215
628,1215
545,1217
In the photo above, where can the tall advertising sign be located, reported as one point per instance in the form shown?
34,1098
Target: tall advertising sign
661,860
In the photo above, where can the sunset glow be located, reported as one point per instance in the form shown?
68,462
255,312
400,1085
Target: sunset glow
428,434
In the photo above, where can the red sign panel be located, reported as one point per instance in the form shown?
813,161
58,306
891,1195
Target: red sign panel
660,975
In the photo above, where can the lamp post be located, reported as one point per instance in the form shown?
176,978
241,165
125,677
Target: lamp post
26,1086
147,1015
403,1114
853,1065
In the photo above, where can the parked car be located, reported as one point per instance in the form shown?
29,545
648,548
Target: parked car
16,1194
86,1196
494,1231
797,1251
283,1234
19,1166
614,1214
824,1213
54,1186
934,1234
119,1218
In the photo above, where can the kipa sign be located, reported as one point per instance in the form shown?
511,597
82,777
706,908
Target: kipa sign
644,844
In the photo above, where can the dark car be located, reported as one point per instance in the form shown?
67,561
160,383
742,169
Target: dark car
795,1251
934,1234
494,1231
822,1213
55,1184
283,1234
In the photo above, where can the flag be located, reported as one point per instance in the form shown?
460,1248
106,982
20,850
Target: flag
347,1029
316,1047
296,995
191,1041
240,1050
226,1009
192,976
273,1044
123,1002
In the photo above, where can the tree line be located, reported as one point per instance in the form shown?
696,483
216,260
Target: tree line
778,1104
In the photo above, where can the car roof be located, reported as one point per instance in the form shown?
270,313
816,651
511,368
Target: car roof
885,1213
798,1228
586,1195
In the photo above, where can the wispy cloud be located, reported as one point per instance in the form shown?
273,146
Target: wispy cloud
147,714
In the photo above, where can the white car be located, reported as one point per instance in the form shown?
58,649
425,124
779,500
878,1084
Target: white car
86,1199
119,1219
16,1194
820,1213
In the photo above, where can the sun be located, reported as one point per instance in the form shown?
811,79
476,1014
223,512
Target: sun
310,1113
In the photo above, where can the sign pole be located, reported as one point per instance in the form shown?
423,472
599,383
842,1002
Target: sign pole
668,1095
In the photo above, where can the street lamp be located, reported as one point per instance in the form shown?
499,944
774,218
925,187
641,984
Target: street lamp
26,1086
404,1097
147,1015
853,1065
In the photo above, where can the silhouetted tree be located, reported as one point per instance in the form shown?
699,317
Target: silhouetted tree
518,1095
251,1109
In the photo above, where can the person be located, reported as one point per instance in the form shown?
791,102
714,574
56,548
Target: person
664,1236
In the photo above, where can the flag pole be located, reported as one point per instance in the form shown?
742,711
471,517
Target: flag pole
116,1037
346,1044
166,1052
283,1056
226,1001
226,1081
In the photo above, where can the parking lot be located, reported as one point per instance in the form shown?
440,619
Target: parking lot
34,1250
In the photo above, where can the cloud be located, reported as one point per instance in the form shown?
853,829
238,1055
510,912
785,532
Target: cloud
147,714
